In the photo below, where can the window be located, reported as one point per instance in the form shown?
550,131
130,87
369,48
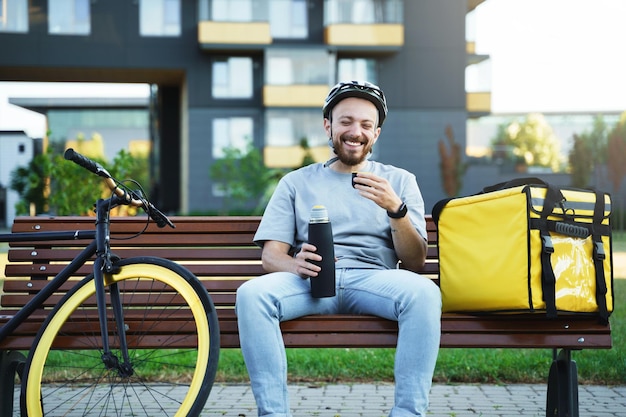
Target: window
232,78
288,19
288,128
363,11
159,18
232,10
14,16
478,77
297,66
285,134
280,71
360,69
236,132
69,17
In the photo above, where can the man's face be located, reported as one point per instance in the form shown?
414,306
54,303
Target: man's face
354,129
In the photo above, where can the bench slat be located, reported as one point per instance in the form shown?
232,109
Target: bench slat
189,254
363,331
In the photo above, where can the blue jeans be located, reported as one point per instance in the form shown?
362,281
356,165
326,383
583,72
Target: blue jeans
403,296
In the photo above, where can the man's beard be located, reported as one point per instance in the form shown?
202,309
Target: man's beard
351,158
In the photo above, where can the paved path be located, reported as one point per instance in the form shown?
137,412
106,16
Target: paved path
375,400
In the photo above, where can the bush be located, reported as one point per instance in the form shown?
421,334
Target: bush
54,185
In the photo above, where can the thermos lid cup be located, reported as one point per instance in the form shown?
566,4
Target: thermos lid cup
319,214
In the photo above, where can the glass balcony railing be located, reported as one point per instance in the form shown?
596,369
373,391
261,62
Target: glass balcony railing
363,12
296,77
373,23
228,22
252,22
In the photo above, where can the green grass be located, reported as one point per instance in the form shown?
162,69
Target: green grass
601,366
619,241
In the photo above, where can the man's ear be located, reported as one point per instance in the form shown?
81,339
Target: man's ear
327,127
376,135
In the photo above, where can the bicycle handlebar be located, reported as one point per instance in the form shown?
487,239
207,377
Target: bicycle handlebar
88,164
130,197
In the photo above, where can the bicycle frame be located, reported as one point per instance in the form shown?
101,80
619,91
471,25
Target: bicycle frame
99,246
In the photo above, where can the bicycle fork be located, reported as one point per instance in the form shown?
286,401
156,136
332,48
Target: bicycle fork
111,361
104,264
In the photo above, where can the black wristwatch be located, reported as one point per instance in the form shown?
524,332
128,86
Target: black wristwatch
398,214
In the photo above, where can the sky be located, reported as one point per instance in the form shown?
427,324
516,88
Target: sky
545,56
554,55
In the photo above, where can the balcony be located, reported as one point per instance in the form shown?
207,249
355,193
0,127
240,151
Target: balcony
214,35
473,4
291,156
380,36
371,26
294,95
472,57
478,103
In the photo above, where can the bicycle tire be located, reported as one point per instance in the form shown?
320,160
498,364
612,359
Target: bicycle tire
78,383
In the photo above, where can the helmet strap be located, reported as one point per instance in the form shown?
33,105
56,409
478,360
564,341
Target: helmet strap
331,161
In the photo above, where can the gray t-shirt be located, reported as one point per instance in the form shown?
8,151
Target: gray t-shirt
361,231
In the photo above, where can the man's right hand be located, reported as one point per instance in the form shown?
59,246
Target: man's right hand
304,268
276,258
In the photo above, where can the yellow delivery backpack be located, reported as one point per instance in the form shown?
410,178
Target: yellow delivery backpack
526,246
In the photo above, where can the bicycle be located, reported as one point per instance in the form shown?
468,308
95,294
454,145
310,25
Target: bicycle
107,378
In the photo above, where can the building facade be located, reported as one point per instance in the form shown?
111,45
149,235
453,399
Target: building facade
229,72
16,150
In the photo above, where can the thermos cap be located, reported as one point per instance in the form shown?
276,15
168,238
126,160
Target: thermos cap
319,214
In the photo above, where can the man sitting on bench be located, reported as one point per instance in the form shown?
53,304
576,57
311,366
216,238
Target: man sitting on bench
376,223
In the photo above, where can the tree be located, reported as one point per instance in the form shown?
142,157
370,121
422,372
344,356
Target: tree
532,141
136,167
31,183
307,159
73,190
581,162
243,177
451,166
589,150
52,184
616,153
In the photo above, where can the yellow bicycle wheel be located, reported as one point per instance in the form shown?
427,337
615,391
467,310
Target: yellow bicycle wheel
173,344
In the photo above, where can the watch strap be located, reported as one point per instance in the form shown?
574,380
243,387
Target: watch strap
400,213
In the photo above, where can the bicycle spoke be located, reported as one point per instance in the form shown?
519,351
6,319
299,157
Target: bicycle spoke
172,372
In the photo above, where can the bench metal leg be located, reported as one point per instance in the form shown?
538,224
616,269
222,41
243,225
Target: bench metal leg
562,399
11,362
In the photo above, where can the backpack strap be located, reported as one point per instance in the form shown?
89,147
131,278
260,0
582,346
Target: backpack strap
548,279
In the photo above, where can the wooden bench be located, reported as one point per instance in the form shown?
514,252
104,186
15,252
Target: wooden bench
219,250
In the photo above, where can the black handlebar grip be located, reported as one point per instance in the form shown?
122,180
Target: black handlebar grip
88,164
